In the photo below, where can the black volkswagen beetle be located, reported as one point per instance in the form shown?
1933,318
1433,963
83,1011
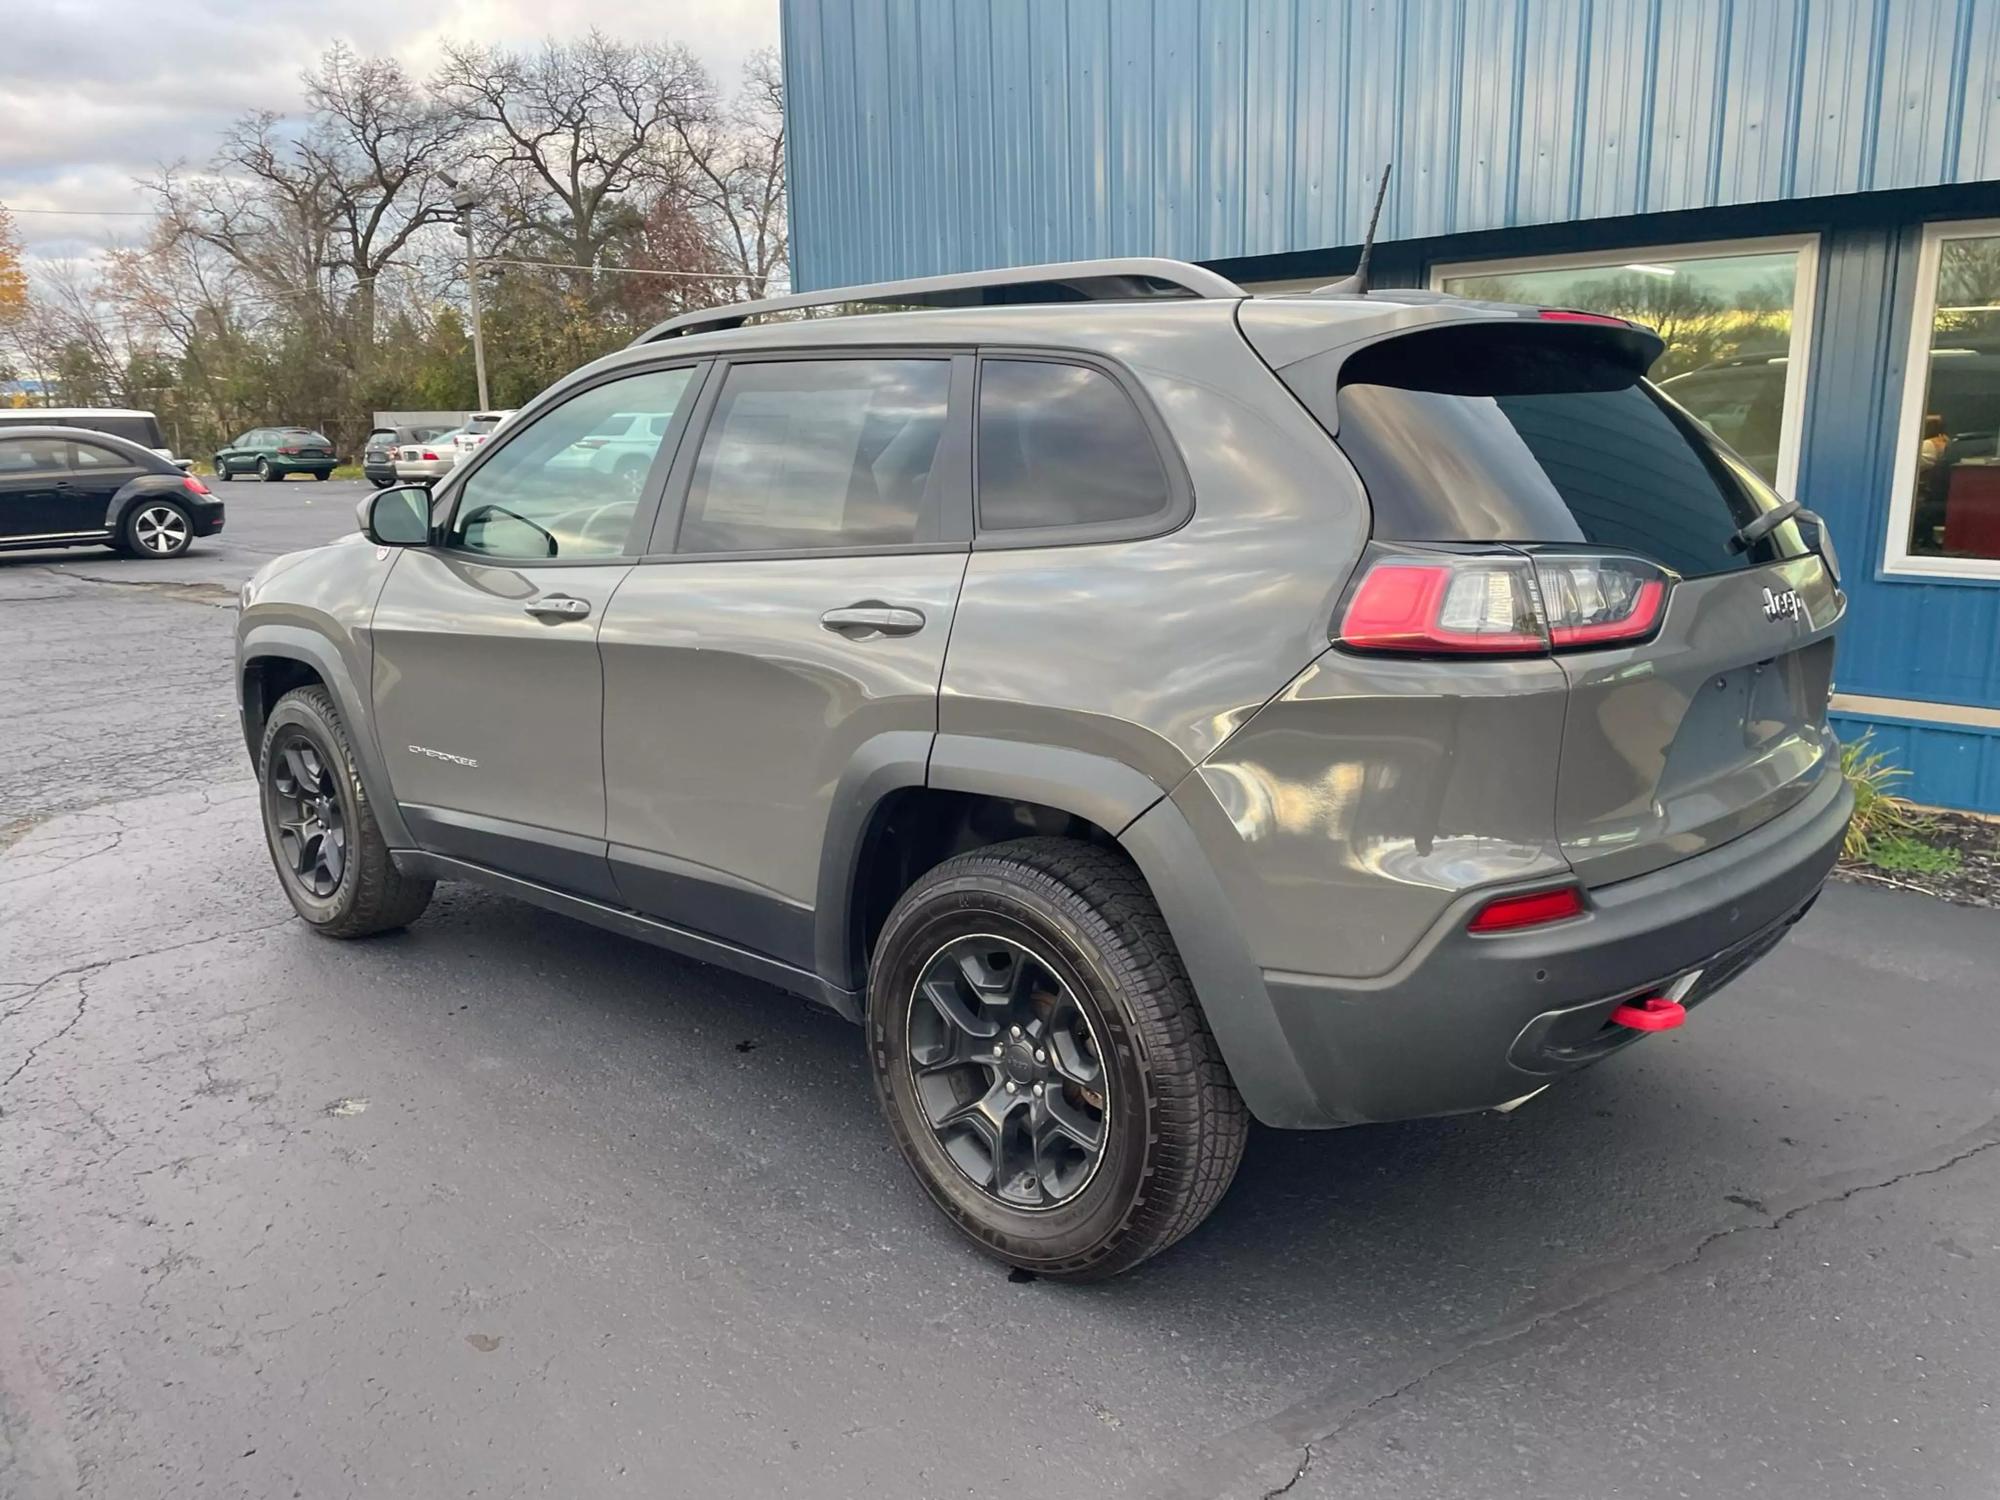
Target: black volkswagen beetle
67,487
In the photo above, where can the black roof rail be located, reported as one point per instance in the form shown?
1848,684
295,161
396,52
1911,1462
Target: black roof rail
1127,279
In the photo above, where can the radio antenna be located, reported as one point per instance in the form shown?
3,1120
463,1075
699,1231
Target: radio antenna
1357,284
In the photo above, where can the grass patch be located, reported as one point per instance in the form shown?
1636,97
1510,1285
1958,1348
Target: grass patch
1879,814
1901,854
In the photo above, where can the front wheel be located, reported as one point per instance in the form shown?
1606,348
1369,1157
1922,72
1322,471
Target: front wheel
222,470
1042,1061
330,856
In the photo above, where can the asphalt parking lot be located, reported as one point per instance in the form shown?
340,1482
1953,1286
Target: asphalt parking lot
505,1206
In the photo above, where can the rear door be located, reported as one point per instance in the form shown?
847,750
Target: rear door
799,616
1545,440
488,692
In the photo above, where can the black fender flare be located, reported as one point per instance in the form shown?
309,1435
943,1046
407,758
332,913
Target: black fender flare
1138,813
263,641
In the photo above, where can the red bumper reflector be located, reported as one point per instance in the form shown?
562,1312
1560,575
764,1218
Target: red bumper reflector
1510,912
1656,1014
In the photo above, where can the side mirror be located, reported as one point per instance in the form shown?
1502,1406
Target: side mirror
396,518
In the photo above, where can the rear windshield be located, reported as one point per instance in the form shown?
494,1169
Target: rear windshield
1512,434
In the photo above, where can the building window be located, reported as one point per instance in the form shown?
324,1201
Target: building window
1735,318
1946,509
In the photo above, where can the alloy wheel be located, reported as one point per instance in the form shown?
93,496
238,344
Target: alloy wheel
1006,1066
160,530
312,829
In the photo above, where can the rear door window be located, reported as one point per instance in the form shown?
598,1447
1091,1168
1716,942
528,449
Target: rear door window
820,454
1061,445
1506,434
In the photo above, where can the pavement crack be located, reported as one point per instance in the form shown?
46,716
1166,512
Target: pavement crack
82,1002
1305,1462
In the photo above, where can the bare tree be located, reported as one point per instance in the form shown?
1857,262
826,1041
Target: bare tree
738,176
573,130
379,143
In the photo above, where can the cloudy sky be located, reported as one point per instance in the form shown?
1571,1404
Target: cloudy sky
96,92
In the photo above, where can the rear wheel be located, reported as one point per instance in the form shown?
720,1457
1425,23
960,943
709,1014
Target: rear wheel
322,473
330,856
266,473
380,484
158,528
1043,1064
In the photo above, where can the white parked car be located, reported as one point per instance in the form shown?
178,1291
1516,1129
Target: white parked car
478,427
426,463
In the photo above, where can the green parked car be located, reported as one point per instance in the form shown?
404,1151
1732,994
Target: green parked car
273,452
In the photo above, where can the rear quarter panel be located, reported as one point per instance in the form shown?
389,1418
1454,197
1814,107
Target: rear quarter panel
1154,652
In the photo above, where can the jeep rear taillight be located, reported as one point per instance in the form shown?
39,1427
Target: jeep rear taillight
1500,602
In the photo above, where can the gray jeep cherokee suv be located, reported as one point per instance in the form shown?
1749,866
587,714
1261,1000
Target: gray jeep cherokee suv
1143,707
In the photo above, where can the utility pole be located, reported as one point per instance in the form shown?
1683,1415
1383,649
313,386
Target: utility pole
465,200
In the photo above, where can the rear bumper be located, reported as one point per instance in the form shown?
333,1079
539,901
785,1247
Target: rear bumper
1469,1022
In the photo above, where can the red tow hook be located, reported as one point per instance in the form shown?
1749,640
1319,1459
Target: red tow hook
1657,1014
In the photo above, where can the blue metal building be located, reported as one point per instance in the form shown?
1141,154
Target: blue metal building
1803,194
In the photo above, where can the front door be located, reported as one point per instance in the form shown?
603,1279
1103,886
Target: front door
488,694
803,614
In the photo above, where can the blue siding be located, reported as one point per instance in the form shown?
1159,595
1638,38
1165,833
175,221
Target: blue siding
1948,766
940,135
1908,637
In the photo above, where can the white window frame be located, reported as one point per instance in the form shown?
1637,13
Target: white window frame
1805,307
1896,555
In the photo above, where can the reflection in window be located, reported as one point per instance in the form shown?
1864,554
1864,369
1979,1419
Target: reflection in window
819,453
1956,507
1726,321
569,484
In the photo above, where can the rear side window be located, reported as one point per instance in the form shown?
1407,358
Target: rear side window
812,454
91,456
141,430
1507,434
1061,445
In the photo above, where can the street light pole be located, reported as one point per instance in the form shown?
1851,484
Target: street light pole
465,201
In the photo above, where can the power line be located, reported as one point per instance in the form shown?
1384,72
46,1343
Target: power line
85,213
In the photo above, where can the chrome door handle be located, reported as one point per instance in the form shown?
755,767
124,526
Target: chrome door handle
558,607
873,619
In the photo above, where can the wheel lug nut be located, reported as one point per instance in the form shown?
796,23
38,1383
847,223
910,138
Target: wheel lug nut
1038,1091
999,1051
1017,1031
1012,1086
1041,1057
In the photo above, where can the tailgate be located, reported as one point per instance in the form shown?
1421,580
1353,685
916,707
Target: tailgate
1716,725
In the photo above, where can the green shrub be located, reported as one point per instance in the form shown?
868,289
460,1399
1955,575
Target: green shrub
1879,814
1899,854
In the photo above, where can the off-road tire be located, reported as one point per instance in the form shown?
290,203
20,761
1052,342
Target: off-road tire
373,895
1175,1124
